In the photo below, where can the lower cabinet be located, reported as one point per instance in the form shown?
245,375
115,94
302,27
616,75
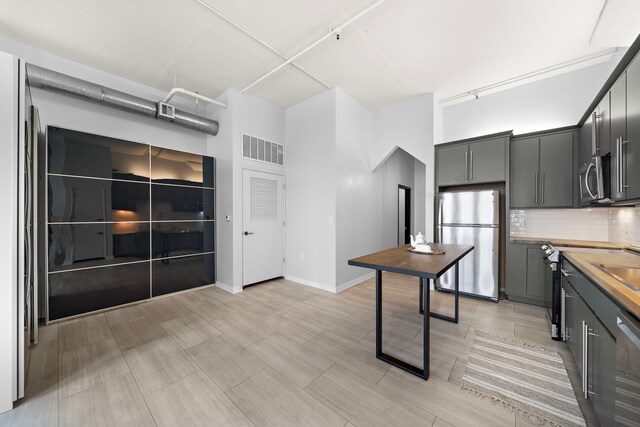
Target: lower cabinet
592,346
529,278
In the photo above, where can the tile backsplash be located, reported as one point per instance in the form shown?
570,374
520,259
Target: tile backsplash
618,225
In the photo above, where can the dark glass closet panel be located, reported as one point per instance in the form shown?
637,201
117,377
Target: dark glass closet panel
172,239
178,274
94,200
82,291
73,246
177,167
84,154
170,202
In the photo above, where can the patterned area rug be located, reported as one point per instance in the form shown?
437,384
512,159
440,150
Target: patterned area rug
524,378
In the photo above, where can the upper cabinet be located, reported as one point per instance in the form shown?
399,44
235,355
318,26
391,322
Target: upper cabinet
542,171
472,162
595,140
625,135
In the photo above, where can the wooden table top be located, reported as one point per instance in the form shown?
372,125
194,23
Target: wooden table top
401,260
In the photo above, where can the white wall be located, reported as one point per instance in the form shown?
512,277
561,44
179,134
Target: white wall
407,125
358,191
330,139
8,228
257,117
311,191
545,104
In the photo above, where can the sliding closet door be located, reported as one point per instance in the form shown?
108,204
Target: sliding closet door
99,230
182,221
126,222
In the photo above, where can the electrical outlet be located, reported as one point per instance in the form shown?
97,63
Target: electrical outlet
330,220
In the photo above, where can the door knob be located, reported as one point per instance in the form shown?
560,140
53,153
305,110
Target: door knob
246,233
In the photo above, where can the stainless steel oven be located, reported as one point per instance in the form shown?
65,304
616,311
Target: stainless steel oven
627,409
594,181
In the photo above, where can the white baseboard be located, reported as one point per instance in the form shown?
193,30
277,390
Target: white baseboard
355,281
227,288
309,283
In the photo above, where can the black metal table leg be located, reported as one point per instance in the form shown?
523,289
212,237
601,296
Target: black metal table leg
420,298
425,328
456,299
422,373
378,313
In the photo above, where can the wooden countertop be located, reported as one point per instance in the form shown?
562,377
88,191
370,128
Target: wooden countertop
586,260
401,260
566,242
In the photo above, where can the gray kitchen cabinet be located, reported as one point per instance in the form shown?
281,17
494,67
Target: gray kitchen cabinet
571,332
472,162
556,170
452,162
524,169
584,308
603,379
618,94
487,161
625,135
542,171
602,144
585,147
632,148
528,277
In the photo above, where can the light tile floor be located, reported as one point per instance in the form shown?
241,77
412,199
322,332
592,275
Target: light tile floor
276,354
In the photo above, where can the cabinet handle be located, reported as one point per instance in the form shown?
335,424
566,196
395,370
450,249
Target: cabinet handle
536,186
618,184
542,190
471,163
585,358
622,144
594,133
466,166
564,273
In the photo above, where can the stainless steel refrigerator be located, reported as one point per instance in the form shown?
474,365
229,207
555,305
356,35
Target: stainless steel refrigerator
471,218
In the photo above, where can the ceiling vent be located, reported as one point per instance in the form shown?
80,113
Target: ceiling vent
165,111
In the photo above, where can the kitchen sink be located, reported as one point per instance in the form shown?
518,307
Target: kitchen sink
630,276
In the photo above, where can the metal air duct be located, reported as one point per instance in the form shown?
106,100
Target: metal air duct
57,82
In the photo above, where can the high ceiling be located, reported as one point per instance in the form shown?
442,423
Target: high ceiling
399,49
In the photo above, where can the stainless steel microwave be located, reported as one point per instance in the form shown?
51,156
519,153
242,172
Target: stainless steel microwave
594,181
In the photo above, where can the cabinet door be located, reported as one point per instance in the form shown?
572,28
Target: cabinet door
516,267
585,147
536,273
603,387
572,331
556,170
618,133
632,148
524,173
583,317
603,128
453,165
487,161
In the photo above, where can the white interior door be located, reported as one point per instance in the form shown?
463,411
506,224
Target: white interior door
263,226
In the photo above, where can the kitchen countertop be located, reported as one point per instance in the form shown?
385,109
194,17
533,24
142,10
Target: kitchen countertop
566,242
586,261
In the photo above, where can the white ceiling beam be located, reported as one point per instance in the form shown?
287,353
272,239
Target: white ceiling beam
332,31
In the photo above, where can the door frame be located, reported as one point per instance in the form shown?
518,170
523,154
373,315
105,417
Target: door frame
407,212
284,220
